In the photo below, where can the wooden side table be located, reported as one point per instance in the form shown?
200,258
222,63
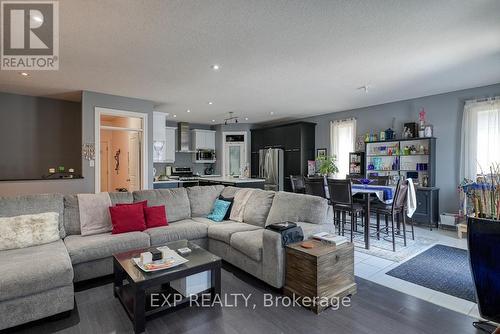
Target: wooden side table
322,272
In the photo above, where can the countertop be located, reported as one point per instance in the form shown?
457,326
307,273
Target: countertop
167,181
231,179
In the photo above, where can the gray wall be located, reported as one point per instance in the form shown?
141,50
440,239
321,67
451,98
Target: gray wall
91,100
31,106
444,111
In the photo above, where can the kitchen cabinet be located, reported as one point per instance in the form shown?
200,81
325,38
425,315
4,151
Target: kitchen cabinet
170,149
297,141
203,139
163,139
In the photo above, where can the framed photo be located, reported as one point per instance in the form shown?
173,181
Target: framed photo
321,152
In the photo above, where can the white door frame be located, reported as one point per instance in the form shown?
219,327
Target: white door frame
244,133
99,111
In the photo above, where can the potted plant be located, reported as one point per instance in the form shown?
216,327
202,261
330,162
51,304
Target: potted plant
327,165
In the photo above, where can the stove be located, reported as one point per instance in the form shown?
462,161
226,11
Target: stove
185,176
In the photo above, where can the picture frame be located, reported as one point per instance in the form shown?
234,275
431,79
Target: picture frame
321,152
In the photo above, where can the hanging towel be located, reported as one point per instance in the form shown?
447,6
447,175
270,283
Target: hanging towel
411,199
240,201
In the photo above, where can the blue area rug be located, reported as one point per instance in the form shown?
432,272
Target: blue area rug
441,268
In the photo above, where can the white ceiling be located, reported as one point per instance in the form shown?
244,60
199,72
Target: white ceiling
293,58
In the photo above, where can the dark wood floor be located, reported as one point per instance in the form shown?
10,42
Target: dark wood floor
375,309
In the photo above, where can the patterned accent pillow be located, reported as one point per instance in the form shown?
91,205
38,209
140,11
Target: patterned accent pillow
28,230
219,211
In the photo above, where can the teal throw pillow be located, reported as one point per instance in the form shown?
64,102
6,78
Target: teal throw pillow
219,211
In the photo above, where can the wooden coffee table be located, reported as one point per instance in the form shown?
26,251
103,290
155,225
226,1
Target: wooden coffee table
133,287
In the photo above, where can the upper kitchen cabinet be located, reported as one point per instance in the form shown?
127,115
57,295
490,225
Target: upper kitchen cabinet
203,139
163,139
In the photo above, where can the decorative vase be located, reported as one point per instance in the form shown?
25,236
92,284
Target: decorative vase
483,236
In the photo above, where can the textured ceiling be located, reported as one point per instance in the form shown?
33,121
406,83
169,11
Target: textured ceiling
292,58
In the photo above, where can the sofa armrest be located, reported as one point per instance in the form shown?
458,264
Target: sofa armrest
273,259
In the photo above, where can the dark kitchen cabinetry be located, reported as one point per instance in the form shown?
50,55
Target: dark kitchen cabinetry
297,141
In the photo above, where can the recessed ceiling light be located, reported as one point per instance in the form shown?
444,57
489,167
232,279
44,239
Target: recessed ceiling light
215,67
175,115
188,110
213,121
24,74
246,118
271,113
210,102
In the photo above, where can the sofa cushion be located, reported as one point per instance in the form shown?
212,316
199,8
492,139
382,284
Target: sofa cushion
229,191
100,246
298,208
249,243
223,232
72,212
31,270
179,230
31,204
209,222
176,201
202,199
257,207
29,230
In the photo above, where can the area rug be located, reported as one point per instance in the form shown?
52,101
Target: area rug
441,268
383,248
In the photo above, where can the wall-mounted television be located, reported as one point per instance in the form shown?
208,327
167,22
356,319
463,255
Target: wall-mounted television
38,134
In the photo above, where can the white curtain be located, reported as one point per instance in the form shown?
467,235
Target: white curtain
342,141
480,145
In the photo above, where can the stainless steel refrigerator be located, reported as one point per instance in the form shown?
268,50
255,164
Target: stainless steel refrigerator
271,168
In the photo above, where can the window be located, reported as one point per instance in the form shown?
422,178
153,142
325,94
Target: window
480,137
342,139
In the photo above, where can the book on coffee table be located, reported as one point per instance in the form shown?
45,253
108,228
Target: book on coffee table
170,259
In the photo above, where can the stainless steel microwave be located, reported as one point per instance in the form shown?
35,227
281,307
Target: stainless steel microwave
205,155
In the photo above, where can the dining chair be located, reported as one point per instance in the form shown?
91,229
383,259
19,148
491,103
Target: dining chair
354,179
342,203
298,184
379,180
394,210
315,186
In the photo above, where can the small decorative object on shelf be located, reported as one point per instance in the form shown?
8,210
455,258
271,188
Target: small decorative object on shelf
421,119
389,134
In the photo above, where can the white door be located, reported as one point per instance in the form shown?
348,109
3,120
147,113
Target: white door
235,159
134,165
104,153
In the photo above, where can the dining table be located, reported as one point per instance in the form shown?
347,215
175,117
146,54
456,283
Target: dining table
384,194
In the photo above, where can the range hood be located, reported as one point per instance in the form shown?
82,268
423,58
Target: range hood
183,138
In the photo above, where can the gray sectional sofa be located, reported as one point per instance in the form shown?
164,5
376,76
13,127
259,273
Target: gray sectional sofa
37,282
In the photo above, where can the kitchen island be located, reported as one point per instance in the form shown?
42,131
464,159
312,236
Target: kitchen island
242,182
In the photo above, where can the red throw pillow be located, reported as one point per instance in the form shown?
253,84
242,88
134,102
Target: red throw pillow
156,216
127,218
